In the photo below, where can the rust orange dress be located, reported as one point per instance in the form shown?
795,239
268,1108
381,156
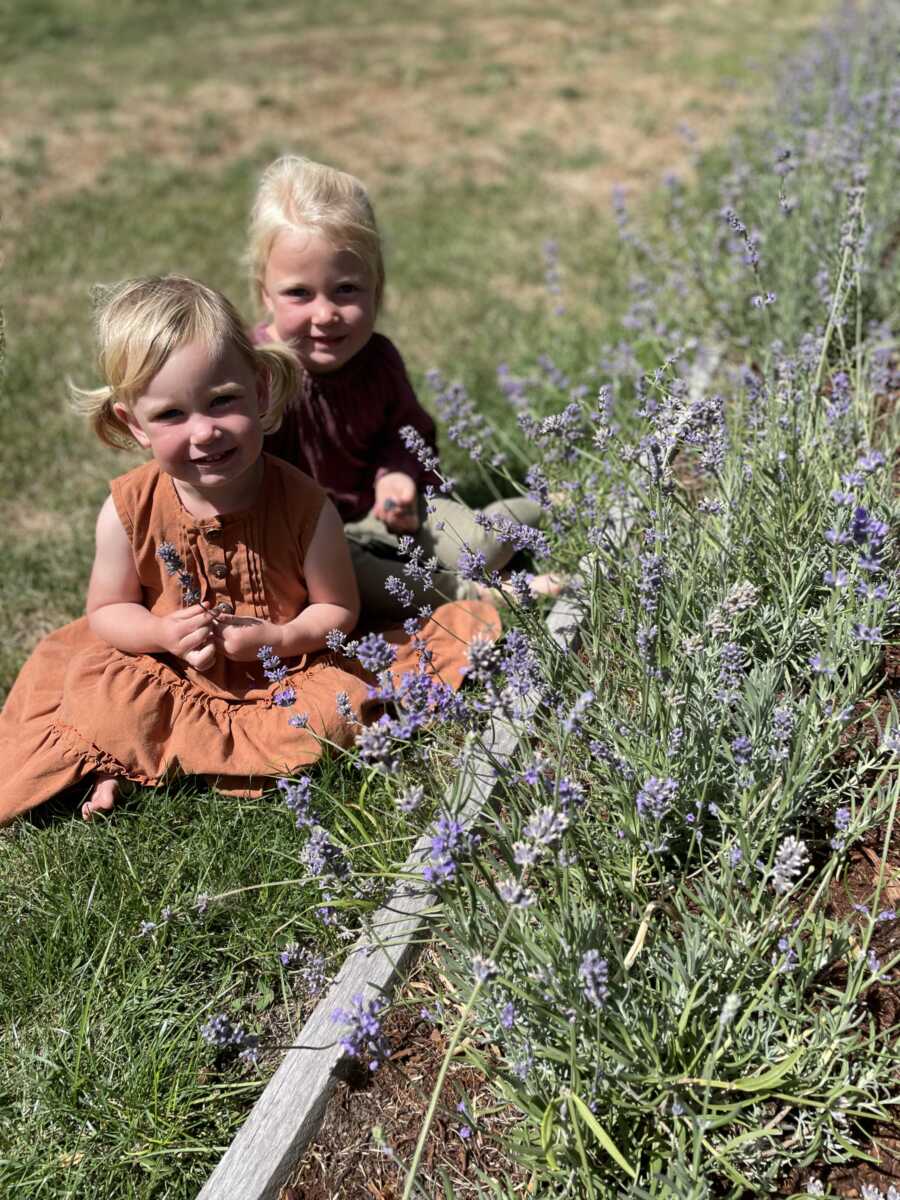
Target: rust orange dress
81,706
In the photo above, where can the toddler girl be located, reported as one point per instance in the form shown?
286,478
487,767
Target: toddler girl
219,571
316,266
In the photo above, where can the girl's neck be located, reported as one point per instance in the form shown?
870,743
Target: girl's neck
221,501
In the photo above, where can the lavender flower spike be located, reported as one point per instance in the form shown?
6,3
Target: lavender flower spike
171,560
364,1038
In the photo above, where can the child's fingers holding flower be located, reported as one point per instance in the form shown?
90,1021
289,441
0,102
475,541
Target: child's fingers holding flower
186,630
395,502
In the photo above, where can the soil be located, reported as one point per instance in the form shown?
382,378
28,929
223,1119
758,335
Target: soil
346,1162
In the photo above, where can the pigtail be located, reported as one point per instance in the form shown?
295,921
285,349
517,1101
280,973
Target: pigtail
96,404
283,376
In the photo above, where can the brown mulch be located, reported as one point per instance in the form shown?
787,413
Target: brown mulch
345,1162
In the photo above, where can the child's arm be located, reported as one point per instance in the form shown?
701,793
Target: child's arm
333,601
115,608
400,476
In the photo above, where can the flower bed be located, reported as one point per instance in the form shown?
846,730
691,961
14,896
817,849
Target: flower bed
645,944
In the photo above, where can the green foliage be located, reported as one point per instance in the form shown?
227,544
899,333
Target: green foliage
675,1005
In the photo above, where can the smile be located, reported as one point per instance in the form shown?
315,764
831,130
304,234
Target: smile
212,459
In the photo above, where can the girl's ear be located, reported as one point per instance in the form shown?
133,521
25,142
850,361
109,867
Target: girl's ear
130,421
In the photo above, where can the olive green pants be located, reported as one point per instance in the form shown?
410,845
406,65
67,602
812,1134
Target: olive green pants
441,535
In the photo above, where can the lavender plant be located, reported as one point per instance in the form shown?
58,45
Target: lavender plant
660,986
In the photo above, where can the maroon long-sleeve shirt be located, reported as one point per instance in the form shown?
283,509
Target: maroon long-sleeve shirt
343,428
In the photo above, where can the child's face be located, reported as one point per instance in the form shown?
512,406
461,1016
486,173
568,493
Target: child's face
200,418
321,300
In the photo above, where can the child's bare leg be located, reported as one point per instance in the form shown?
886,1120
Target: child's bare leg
102,798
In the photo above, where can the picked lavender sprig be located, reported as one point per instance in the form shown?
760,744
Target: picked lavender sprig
171,560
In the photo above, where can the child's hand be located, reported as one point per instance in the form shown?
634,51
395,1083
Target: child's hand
188,634
239,638
202,659
395,502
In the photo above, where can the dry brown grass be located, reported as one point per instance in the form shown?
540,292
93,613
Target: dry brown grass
463,93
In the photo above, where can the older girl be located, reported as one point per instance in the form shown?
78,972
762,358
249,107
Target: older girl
317,269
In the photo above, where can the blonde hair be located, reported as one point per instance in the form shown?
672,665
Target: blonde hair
139,325
298,195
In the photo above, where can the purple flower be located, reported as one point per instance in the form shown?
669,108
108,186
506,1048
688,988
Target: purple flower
334,640
285,698
870,460
472,564
655,798
546,827
653,572
219,1031
273,668
872,591
450,843
514,893
378,748
573,721
787,954
375,653
742,748
342,702
326,861
410,799
484,661
296,796
416,444
867,633
171,560
818,665
465,424
508,1015
594,975
363,1038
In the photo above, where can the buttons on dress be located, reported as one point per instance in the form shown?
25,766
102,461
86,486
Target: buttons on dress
224,608
219,570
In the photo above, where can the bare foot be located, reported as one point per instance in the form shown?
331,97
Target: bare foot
547,585
102,798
